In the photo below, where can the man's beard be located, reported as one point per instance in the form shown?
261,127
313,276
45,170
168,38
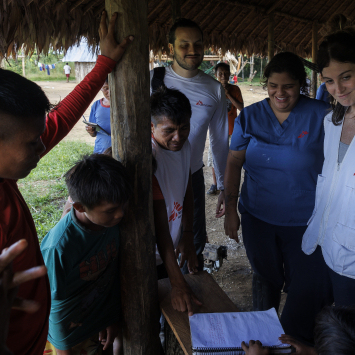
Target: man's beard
182,63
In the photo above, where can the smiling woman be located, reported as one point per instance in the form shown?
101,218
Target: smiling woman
332,224
279,143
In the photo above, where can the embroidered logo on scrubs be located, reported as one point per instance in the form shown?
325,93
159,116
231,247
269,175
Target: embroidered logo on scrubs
176,213
302,134
200,103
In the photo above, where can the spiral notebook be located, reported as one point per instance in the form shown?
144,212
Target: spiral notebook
223,333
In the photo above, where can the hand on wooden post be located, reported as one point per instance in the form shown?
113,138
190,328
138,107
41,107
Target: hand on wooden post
8,288
108,44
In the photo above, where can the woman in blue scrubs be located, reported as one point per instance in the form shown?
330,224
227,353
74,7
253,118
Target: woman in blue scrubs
279,143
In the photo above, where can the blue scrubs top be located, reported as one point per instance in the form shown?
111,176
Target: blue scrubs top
100,114
323,94
282,161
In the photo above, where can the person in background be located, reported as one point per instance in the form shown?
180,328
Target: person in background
234,103
323,94
67,70
334,333
235,79
100,114
279,143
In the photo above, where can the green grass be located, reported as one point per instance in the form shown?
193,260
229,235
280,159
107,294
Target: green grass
44,189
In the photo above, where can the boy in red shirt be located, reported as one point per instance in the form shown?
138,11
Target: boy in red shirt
234,102
27,134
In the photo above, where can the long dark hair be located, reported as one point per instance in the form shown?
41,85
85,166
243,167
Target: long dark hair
339,45
290,63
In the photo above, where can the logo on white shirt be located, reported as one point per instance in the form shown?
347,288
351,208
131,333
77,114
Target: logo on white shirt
200,103
176,212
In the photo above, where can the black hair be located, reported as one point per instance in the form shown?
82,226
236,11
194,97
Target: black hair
169,103
222,65
334,332
98,178
182,22
290,63
340,46
21,97
66,63
106,80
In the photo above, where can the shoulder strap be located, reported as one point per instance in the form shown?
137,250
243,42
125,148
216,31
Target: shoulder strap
158,78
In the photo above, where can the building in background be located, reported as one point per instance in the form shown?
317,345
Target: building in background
84,58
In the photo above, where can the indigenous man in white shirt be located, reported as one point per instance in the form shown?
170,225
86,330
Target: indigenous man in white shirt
67,70
209,111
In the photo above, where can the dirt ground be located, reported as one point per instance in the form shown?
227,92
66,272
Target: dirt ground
235,275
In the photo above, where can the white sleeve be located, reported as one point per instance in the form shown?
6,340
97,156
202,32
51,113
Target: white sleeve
219,138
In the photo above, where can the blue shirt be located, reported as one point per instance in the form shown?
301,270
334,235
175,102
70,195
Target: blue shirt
84,280
101,115
282,161
323,94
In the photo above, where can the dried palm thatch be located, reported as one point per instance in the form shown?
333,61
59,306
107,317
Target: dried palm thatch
240,26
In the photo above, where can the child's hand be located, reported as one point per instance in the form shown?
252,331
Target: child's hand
301,349
187,250
8,288
255,348
108,335
182,297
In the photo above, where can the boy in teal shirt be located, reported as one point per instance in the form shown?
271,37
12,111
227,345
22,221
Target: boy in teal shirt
81,255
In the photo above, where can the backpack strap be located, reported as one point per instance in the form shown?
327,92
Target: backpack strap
158,78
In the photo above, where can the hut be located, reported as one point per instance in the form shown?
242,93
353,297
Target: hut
256,26
84,59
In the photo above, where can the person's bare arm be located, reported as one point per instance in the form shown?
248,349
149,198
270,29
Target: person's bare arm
186,245
236,103
91,131
181,294
232,178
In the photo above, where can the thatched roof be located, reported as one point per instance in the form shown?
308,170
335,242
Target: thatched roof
227,24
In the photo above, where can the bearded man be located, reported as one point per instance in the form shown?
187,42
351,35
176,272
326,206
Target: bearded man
209,112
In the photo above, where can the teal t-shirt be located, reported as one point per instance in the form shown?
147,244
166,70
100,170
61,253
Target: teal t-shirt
84,279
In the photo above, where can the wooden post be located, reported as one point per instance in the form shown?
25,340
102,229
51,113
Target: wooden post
243,67
251,66
131,141
175,10
261,67
314,56
270,40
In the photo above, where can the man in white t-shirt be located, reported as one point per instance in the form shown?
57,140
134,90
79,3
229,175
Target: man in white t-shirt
209,112
67,70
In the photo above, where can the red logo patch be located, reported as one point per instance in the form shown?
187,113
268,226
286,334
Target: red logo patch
200,103
302,134
176,213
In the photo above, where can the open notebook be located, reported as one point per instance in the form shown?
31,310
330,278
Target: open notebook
223,333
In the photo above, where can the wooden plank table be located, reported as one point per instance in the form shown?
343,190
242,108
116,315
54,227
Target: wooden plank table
207,291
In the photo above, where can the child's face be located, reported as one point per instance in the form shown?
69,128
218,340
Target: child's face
169,135
106,214
21,150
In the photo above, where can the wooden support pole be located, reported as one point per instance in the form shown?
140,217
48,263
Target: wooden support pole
270,39
175,9
314,56
131,141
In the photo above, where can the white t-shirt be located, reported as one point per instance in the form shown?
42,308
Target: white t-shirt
67,69
209,111
173,169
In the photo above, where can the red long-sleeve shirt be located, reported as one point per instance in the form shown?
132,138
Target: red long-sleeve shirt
28,332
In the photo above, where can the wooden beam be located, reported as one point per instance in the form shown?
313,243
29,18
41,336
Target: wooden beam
273,7
314,56
44,3
242,22
131,140
175,10
156,8
74,5
209,14
264,10
270,37
90,5
257,27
